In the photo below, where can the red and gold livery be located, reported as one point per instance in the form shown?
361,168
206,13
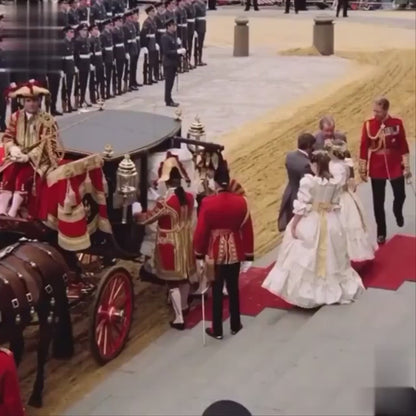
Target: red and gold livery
225,231
384,151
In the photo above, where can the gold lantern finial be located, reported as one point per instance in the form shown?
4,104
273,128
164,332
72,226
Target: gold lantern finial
196,130
178,114
127,182
108,150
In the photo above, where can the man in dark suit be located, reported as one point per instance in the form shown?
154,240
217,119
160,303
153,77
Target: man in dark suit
327,132
297,165
171,53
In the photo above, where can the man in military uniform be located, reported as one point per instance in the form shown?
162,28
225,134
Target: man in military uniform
54,68
82,12
119,52
83,61
131,48
170,11
148,40
160,20
200,28
108,50
384,155
136,23
4,80
190,15
97,85
68,67
63,13
73,18
182,24
119,7
171,54
98,12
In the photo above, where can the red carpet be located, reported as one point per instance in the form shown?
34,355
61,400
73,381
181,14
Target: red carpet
395,263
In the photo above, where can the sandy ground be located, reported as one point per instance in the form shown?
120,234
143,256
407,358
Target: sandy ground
383,63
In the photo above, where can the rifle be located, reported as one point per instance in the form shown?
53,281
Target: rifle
64,94
196,52
126,74
76,92
146,69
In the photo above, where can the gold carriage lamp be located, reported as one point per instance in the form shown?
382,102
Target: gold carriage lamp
196,130
127,182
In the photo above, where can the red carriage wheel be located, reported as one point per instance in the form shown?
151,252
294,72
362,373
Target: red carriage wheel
112,314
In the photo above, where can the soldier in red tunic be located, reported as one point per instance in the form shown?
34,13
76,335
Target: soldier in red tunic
384,154
10,400
174,258
223,239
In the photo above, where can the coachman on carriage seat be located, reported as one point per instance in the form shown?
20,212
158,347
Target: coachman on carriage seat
31,147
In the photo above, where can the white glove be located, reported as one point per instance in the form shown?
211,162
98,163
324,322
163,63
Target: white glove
196,34
15,152
200,267
144,50
92,67
178,41
136,208
245,265
62,74
76,70
157,47
181,51
22,158
127,56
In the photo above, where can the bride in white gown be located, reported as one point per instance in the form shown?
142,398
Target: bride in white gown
361,247
313,267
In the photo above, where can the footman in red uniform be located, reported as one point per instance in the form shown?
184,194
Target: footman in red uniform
384,154
10,400
223,239
174,258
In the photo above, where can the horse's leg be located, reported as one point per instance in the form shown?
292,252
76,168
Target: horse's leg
17,345
45,337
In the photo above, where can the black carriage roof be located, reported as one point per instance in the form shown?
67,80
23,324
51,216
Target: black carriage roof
129,132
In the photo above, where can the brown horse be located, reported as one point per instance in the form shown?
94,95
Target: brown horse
33,291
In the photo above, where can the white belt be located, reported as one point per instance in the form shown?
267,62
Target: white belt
109,14
151,35
3,70
131,40
200,18
191,20
137,37
108,48
183,25
98,21
161,30
85,56
119,45
85,22
119,14
69,58
99,53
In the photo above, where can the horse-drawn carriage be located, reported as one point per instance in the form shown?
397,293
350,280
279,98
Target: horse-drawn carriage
83,212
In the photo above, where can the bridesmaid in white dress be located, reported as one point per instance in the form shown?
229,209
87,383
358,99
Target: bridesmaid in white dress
313,267
361,247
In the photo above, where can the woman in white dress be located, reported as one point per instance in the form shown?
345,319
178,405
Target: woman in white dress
360,246
313,267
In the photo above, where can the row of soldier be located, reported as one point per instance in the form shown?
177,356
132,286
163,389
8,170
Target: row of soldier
102,54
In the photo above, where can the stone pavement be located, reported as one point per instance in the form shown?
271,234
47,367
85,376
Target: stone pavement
231,91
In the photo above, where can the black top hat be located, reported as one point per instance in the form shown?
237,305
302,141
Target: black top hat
148,9
170,22
82,26
226,407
